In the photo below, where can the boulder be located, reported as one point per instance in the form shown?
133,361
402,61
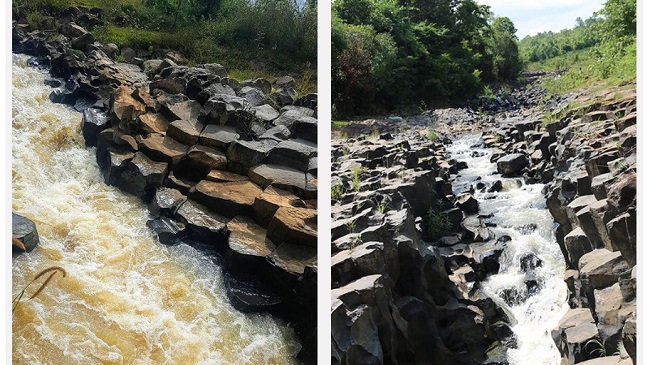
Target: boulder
142,176
167,230
225,176
125,110
93,122
24,235
599,269
265,113
467,203
249,153
248,243
198,162
573,335
267,203
577,244
512,163
294,259
293,153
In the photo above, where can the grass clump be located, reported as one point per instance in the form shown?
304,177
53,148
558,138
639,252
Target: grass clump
432,135
337,190
356,178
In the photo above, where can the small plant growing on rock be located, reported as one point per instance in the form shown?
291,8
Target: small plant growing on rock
437,224
356,178
432,136
51,270
337,190
351,225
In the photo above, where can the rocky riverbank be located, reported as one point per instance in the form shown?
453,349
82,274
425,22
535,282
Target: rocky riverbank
403,288
402,292
221,164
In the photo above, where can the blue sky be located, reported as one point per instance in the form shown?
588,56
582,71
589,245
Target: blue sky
534,16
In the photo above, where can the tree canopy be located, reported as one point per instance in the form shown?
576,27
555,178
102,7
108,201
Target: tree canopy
388,54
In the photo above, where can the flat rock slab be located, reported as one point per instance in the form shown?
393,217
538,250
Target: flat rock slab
154,123
250,153
186,110
185,131
202,223
163,149
24,230
267,203
293,153
218,136
265,113
282,177
294,226
230,198
248,239
225,176
293,259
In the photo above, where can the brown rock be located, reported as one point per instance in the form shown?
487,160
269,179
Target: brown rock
154,123
267,203
199,161
162,148
230,199
185,131
294,226
225,176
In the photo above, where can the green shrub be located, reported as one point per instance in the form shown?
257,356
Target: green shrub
437,224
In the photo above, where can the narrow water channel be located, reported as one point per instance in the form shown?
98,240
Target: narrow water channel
518,211
127,299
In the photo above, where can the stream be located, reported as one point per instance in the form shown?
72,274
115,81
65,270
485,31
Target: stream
518,211
126,299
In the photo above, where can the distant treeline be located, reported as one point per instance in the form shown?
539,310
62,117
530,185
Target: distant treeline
599,48
390,54
278,34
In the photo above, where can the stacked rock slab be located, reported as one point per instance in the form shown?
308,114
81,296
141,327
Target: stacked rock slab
230,165
588,160
396,298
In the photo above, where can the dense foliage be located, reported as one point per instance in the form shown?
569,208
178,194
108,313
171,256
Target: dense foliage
389,54
271,34
600,48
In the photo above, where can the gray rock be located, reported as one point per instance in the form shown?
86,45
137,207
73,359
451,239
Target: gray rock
203,224
294,153
199,162
23,230
184,131
512,163
218,136
142,176
249,153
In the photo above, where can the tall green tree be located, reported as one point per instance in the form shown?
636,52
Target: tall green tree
507,63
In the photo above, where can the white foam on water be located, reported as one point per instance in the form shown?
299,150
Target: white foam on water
518,205
126,299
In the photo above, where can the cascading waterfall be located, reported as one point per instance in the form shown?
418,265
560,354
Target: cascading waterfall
518,211
127,299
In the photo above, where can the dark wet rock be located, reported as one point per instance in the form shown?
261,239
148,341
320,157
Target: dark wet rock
477,228
199,162
167,230
530,261
467,203
294,153
142,176
166,202
249,153
93,122
203,224
24,231
284,178
622,230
